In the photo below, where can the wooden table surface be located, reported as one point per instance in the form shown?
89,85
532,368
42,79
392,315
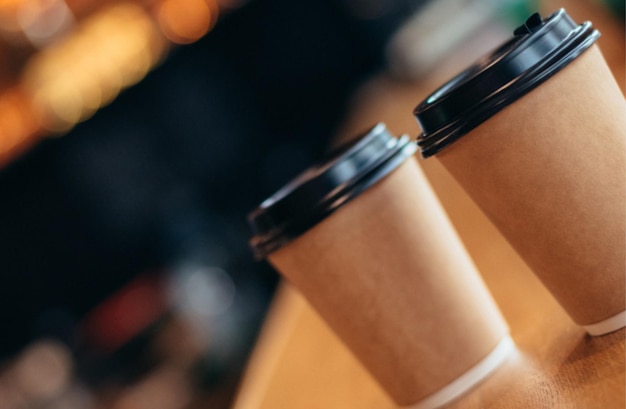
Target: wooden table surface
299,363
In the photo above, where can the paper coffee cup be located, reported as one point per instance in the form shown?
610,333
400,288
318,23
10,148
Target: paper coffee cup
535,134
364,239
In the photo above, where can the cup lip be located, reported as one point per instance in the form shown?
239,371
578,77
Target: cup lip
538,50
326,186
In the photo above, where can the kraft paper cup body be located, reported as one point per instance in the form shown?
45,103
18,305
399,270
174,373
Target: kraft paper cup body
399,289
549,171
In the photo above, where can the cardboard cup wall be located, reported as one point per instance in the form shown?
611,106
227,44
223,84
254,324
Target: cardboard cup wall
548,167
388,273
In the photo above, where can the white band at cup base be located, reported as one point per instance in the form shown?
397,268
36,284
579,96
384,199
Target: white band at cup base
469,379
610,324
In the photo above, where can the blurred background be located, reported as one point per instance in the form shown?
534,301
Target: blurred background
135,136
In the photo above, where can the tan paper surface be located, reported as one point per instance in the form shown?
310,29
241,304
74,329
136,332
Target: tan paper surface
389,275
549,171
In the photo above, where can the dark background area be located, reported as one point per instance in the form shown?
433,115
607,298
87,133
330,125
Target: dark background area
166,174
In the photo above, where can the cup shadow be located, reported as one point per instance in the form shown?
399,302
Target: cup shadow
594,359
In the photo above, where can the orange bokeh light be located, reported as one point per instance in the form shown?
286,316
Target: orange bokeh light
18,127
184,22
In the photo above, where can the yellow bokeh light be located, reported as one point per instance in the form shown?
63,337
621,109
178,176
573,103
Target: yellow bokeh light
184,22
90,92
110,51
58,105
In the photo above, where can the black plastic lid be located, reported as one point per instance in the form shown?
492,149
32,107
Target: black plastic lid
538,50
325,187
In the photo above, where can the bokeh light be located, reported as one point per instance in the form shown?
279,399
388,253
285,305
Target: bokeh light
16,121
43,370
9,26
112,50
184,22
43,21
